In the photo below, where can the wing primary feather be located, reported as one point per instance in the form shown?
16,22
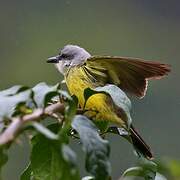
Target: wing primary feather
130,74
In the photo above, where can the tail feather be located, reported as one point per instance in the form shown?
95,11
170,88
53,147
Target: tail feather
140,144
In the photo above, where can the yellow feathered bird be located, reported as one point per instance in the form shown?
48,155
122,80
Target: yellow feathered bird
81,71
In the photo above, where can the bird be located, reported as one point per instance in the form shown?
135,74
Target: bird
82,70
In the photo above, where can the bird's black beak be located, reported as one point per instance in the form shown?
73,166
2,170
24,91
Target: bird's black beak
54,59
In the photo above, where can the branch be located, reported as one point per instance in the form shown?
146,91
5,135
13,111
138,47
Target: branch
17,123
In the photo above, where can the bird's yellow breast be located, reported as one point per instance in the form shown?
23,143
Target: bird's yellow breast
77,81
99,106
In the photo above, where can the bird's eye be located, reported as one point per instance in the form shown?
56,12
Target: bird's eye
64,56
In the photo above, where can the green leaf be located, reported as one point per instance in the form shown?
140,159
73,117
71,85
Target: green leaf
26,174
134,171
118,96
148,165
43,94
43,130
146,169
9,103
97,150
13,90
51,160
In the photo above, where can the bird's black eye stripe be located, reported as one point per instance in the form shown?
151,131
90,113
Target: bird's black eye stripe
66,56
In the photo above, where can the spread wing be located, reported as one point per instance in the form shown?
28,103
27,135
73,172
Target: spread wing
130,74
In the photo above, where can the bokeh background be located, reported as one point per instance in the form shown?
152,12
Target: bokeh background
31,31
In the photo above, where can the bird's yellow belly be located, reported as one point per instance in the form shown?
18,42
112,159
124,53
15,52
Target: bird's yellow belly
99,106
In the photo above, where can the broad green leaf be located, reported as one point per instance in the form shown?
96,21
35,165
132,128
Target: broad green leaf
43,130
134,171
13,90
43,93
137,173
118,96
146,169
26,174
97,150
51,160
9,103
148,164
149,167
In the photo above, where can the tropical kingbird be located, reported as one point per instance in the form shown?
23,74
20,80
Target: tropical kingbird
81,71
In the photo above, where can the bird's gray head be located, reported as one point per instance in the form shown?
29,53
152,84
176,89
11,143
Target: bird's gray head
70,55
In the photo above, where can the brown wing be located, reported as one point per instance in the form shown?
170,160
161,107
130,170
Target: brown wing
130,74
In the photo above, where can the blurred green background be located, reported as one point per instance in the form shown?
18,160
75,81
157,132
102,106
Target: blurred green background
33,30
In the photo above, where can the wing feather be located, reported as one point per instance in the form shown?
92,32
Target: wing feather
130,74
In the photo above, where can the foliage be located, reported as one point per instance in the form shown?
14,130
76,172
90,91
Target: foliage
97,150
23,109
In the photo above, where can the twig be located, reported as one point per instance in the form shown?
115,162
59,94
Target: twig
17,123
